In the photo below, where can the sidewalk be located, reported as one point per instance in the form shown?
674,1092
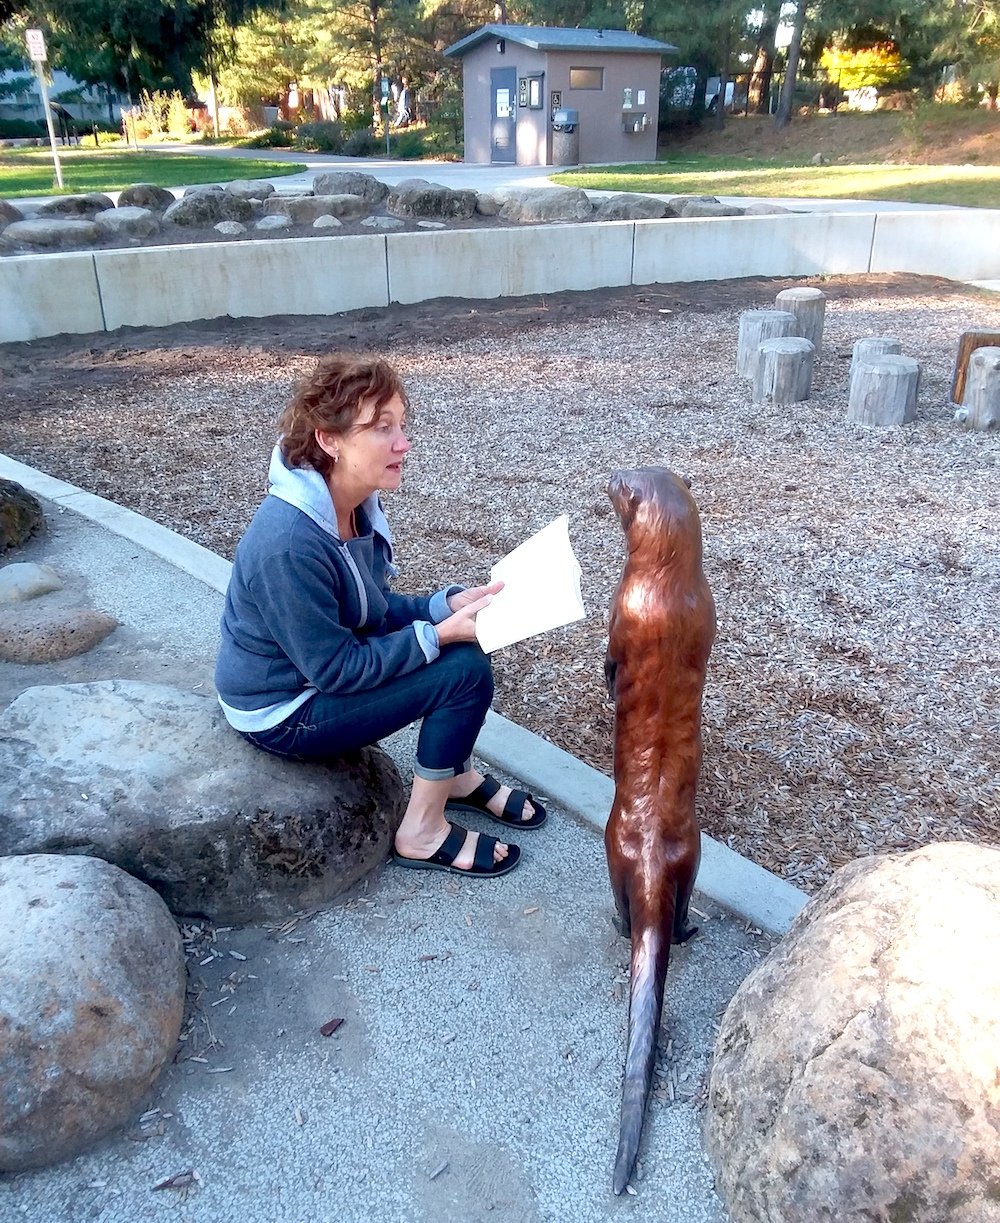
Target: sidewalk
477,1072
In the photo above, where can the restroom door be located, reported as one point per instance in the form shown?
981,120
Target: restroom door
503,97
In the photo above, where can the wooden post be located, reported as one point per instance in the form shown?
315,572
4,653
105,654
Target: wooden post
981,402
784,370
968,342
870,349
809,307
884,391
756,326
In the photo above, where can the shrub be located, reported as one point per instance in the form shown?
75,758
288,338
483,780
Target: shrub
19,129
320,137
408,144
278,135
362,143
357,120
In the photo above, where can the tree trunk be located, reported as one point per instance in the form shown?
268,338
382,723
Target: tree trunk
759,88
884,392
784,371
720,105
809,308
784,114
213,96
756,326
981,402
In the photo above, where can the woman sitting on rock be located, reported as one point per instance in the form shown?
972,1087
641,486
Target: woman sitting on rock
320,657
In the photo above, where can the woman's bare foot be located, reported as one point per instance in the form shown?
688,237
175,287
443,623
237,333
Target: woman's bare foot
424,844
465,783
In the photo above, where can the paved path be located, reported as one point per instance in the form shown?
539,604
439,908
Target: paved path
477,1073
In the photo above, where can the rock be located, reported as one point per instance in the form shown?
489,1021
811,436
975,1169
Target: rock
153,779
855,1072
27,581
327,222
764,208
20,515
93,976
417,198
49,232
383,223
9,213
677,202
274,223
230,228
250,188
131,221
431,225
547,204
818,159
351,182
207,208
487,204
203,188
709,208
29,634
76,205
627,207
146,195
304,209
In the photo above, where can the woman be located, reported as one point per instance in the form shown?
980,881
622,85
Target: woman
320,657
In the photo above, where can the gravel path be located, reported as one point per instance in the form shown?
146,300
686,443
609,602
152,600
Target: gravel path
852,703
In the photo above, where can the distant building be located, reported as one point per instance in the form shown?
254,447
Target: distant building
516,77
84,102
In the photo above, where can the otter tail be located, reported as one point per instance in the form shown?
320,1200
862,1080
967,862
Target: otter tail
650,957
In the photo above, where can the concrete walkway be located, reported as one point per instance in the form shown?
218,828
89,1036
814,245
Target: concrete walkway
477,1072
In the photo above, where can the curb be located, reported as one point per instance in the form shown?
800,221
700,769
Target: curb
726,877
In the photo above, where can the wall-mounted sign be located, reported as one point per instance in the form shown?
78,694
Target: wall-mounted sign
522,91
503,103
640,97
626,99
555,102
535,92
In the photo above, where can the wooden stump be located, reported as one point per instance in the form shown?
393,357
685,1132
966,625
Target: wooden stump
981,399
755,327
809,308
784,370
884,391
870,349
968,342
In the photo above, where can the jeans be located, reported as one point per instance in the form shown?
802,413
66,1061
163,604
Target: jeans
451,695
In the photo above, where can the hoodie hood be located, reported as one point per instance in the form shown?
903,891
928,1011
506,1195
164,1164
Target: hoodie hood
306,489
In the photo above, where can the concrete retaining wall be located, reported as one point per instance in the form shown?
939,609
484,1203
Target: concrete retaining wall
44,295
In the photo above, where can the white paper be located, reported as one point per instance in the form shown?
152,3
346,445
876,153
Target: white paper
541,589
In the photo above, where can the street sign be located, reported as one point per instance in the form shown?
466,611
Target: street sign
36,45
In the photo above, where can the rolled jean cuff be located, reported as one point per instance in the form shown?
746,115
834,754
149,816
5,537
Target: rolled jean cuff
427,774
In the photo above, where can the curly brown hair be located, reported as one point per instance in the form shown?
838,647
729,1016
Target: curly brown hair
332,398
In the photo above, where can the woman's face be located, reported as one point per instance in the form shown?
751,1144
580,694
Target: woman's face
370,454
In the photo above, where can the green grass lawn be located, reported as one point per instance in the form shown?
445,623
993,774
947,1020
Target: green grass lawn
31,172
973,186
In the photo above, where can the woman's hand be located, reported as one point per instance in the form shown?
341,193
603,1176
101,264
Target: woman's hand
461,624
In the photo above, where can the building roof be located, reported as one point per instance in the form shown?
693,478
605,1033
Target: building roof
556,38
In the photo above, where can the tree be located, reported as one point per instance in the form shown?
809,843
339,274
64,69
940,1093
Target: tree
880,64
762,66
784,113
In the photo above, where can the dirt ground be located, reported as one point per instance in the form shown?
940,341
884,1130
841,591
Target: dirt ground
850,694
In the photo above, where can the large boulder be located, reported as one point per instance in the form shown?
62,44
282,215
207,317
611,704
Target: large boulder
20,515
856,1070
9,213
146,195
93,979
206,207
415,197
351,182
546,204
628,207
27,580
75,205
708,208
49,232
128,222
154,780
304,209
250,188
39,634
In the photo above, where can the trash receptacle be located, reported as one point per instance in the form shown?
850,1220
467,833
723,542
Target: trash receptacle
566,137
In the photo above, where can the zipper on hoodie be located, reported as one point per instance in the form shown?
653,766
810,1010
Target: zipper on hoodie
352,564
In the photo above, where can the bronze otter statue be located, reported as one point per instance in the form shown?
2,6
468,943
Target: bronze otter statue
661,631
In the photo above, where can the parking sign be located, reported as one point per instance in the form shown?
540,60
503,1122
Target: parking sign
36,45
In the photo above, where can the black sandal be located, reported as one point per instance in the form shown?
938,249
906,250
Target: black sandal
483,864
513,808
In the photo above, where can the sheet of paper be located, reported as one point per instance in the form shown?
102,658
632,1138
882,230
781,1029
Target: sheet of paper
541,589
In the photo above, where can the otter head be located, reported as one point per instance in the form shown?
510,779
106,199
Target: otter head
649,496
